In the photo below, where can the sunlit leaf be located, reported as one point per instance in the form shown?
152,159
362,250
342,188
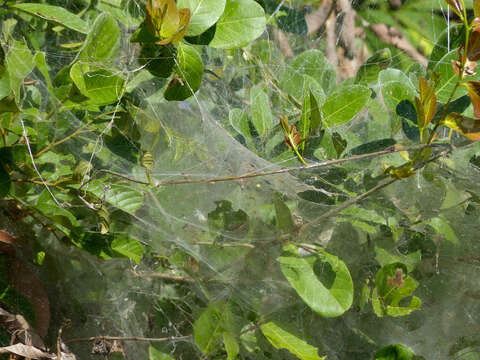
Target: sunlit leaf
443,228
320,279
204,14
368,72
19,63
209,328
282,339
56,14
476,8
103,40
242,22
231,345
466,126
342,105
426,104
128,247
154,354
395,87
260,108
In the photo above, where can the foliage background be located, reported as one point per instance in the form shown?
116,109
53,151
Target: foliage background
205,263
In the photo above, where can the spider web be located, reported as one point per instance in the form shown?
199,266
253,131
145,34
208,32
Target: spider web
195,139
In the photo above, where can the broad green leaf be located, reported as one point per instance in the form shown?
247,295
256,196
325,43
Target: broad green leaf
103,41
4,85
231,345
260,108
154,354
442,227
42,66
63,219
368,72
242,22
343,104
312,63
125,198
204,13
19,63
8,104
282,339
209,328
55,14
394,352
239,121
320,279
189,73
411,260
448,78
283,215
395,87
454,36
128,247
101,86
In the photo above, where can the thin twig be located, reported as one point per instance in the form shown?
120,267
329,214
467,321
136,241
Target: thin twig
128,338
163,276
313,166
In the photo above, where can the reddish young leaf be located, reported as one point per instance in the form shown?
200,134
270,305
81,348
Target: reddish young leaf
466,126
473,88
473,53
426,104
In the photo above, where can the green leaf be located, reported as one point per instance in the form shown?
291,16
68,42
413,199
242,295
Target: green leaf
231,346
454,36
281,339
368,72
260,108
8,104
55,14
128,247
154,354
442,227
411,260
189,73
283,216
329,292
42,66
101,86
312,63
394,352
209,328
239,121
288,19
448,78
4,85
242,22
343,104
204,13
103,41
392,285
395,87
19,63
